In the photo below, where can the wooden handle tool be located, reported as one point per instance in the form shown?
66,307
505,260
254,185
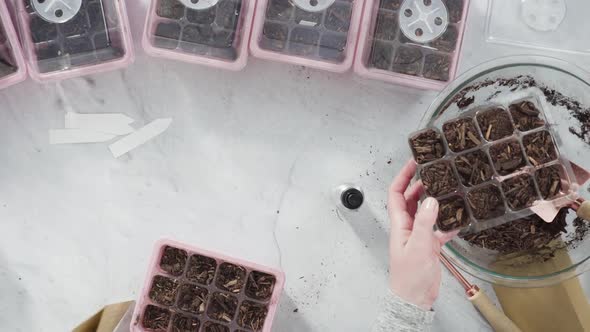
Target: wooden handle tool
495,317
583,209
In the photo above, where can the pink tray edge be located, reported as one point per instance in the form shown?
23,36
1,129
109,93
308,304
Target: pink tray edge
12,37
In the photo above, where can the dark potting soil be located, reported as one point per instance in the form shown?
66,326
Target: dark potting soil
452,214
461,134
279,10
6,68
274,36
386,26
465,102
520,235
170,35
228,15
252,315
201,269
173,260
156,319
210,31
474,168
539,148
390,4
520,191
222,307
427,146
407,60
182,323
549,181
437,67
526,116
260,285
192,298
455,8
507,157
581,230
521,82
381,55
172,9
332,46
163,290
495,124
486,202
439,179
231,277
205,16
214,327
448,41
338,17
304,41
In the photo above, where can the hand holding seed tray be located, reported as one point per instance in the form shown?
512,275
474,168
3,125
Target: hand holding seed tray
414,246
415,249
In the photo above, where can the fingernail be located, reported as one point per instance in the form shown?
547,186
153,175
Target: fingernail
430,204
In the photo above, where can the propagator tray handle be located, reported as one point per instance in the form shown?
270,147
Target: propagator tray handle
583,209
497,319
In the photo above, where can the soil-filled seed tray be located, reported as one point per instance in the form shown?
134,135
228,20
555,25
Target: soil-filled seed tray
62,40
12,67
412,42
491,165
215,34
294,31
194,290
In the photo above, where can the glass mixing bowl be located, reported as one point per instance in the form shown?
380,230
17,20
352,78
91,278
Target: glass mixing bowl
564,92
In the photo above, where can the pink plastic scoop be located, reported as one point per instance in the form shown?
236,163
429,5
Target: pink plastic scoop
548,211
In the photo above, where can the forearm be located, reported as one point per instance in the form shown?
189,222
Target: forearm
400,316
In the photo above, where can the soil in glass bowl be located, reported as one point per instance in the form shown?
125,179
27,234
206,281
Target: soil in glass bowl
563,91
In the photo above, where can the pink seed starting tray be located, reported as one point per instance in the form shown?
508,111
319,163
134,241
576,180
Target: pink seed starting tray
213,32
413,42
70,38
193,290
314,33
12,65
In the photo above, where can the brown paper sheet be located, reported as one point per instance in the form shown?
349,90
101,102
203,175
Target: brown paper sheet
106,319
562,307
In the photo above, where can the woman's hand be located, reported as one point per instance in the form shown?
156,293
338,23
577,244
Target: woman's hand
415,271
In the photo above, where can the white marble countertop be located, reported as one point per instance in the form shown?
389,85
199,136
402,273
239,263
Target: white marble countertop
248,168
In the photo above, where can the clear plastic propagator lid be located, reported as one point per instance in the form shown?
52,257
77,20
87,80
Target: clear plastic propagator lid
313,33
11,62
210,32
411,42
68,38
543,24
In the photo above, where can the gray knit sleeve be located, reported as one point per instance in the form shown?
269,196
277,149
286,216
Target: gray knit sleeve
400,316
